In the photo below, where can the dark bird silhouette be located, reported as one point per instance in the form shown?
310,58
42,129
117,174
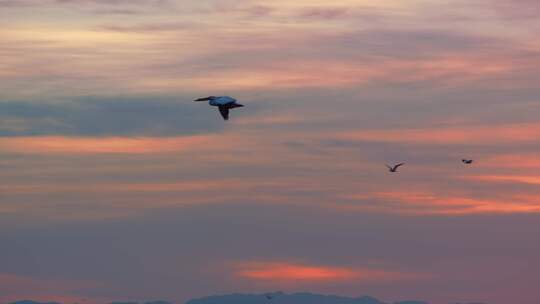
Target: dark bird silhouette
394,168
224,104
269,297
467,161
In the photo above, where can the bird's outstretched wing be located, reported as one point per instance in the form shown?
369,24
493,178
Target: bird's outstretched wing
224,112
398,165
387,166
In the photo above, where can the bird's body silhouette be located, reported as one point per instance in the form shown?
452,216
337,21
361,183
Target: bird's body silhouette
393,169
224,104
467,161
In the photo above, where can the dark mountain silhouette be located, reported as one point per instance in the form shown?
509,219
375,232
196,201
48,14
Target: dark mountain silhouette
32,302
295,298
152,302
267,298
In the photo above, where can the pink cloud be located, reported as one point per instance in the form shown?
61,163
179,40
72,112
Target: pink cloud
486,134
515,161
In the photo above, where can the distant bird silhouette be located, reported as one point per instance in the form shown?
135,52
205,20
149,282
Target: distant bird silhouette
394,168
224,104
269,297
467,161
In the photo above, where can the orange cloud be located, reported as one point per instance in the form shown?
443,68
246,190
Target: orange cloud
531,161
283,119
290,271
532,180
299,72
429,203
342,73
96,145
283,271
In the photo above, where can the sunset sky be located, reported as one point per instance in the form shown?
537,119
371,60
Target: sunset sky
114,185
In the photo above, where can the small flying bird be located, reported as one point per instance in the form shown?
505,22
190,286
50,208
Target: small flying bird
394,168
269,296
224,104
467,161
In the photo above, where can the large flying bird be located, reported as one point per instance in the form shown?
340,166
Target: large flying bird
224,104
